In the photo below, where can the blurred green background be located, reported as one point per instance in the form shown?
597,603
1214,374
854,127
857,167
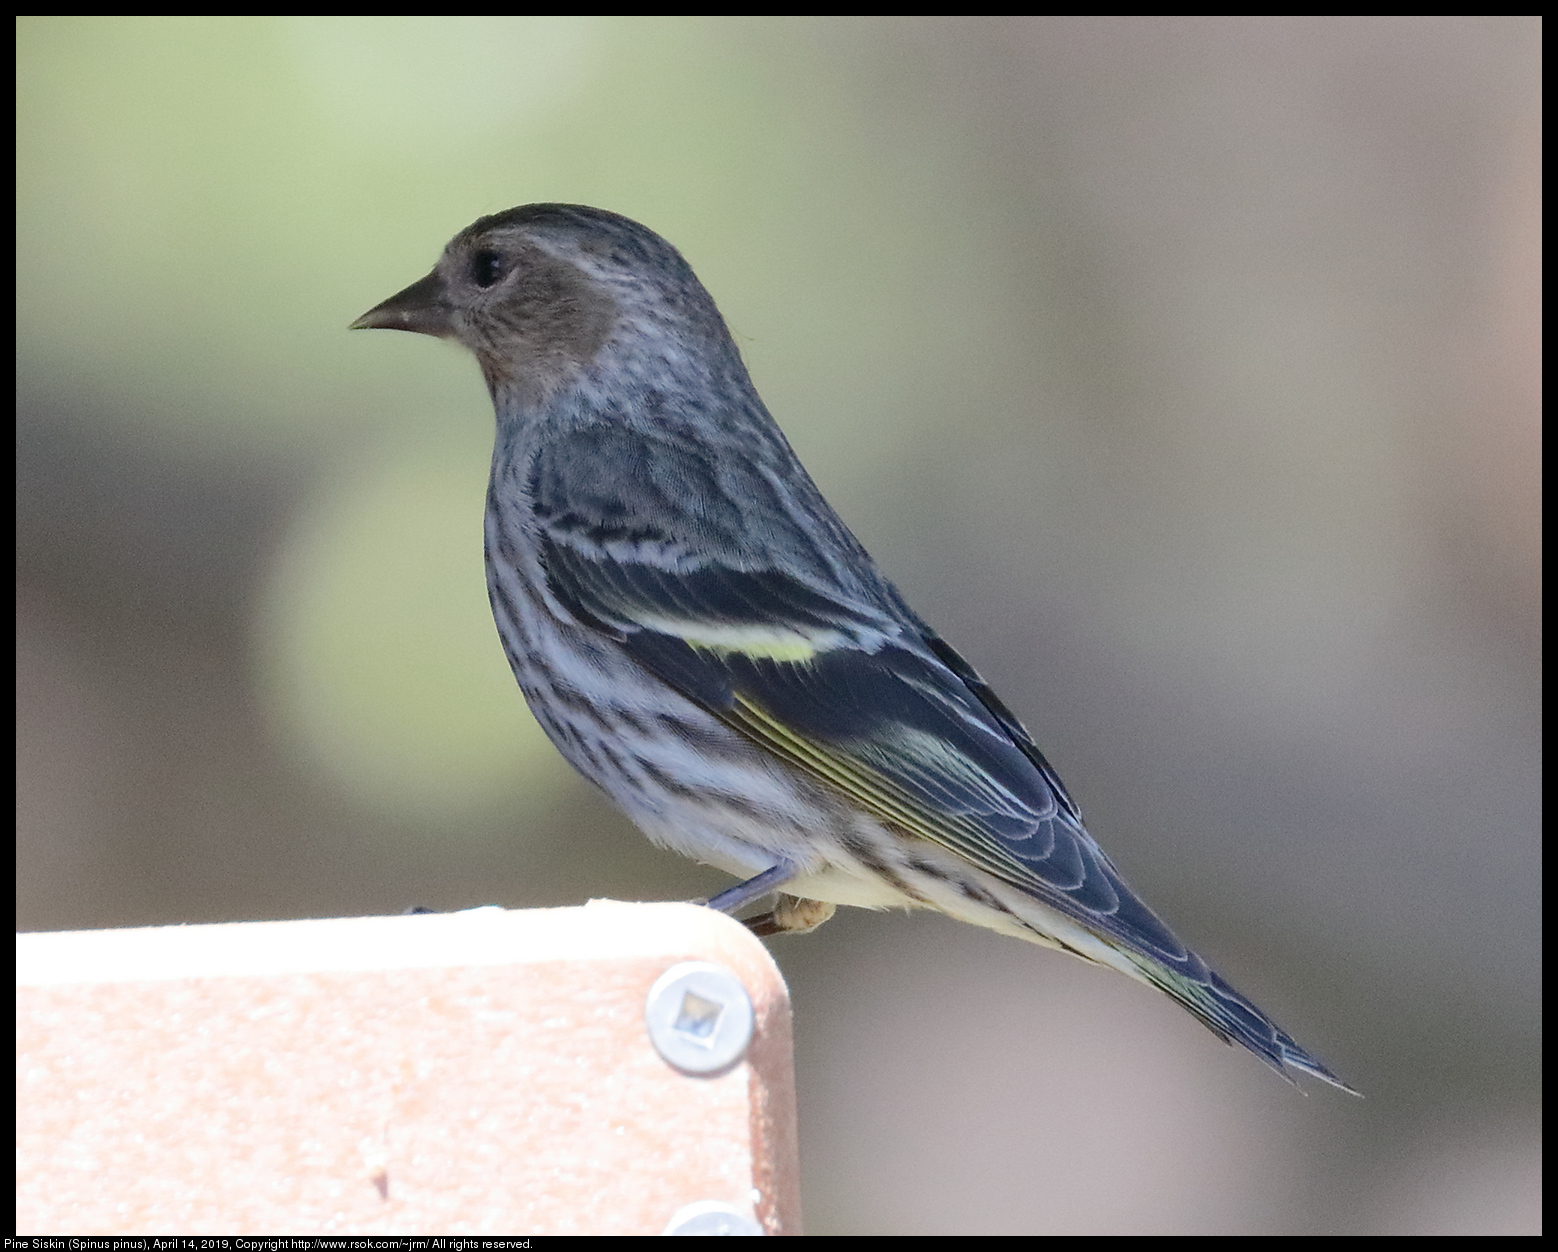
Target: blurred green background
1185,373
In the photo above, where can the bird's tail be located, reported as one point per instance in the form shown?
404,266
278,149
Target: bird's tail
1233,1019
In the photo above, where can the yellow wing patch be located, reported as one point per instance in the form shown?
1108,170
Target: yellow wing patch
879,795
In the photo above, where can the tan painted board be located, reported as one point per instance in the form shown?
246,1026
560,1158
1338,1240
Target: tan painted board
484,1072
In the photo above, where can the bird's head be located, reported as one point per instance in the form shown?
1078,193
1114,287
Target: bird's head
541,292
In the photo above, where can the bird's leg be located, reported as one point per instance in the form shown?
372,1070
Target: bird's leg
743,893
791,915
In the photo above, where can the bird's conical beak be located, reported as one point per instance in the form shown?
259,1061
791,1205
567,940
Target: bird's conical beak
420,308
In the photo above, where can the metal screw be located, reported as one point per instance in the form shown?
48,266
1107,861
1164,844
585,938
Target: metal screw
710,1217
699,1017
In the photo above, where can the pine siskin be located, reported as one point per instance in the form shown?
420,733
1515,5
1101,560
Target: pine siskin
703,637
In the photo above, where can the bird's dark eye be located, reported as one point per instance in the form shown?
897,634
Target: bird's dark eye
486,267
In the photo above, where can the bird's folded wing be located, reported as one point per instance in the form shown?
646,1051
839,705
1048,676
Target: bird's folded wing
867,706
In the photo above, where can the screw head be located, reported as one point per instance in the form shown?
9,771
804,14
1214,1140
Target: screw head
699,1017
710,1217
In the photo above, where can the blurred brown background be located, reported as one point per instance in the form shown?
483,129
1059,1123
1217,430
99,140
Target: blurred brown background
1185,373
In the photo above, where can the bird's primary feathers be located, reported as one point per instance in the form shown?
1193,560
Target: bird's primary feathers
703,637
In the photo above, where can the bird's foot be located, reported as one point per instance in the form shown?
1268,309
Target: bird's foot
791,915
